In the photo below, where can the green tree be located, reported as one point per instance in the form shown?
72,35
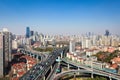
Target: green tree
97,78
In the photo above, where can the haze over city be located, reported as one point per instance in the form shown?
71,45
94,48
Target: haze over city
60,16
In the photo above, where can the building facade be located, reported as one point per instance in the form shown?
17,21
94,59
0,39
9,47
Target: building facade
72,46
1,55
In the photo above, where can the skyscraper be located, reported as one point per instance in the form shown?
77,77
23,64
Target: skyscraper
86,43
28,33
8,43
5,51
32,33
107,33
72,46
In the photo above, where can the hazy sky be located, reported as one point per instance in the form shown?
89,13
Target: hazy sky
60,16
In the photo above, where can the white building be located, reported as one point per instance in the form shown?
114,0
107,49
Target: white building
86,43
72,46
14,44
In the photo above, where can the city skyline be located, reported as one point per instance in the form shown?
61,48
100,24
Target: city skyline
61,16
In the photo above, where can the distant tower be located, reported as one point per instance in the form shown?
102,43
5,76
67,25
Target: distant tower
32,33
107,33
28,33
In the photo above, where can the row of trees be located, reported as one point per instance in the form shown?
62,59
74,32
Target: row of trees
97,78
48,49
106,56
6,78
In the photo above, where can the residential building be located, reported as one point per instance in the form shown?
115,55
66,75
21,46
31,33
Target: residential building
5,51
2,59
72,46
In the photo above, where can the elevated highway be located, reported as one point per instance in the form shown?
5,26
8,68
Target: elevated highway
87,70
39,71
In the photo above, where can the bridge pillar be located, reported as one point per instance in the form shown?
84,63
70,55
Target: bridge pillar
33,56
51,67
68,66
110,78
30,54
44,78
62,55
92,75
74,76
78,70
59,58
37,58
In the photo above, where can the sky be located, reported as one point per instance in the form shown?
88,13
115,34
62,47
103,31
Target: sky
60,16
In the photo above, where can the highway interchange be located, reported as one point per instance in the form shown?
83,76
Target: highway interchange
40,69
92,70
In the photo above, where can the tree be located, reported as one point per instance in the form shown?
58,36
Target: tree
97,78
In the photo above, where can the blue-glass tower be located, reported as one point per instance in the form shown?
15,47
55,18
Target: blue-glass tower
27,32
107,33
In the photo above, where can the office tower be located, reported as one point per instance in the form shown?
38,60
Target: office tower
32,33
5,51
107,33
28,32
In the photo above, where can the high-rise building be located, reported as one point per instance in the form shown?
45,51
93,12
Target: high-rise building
14,44
5,51
86,43
28,32
107,33
32,33
2,59
72,46
8,44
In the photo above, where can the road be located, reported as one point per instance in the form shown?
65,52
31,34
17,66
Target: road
69,72
33,70
53,72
